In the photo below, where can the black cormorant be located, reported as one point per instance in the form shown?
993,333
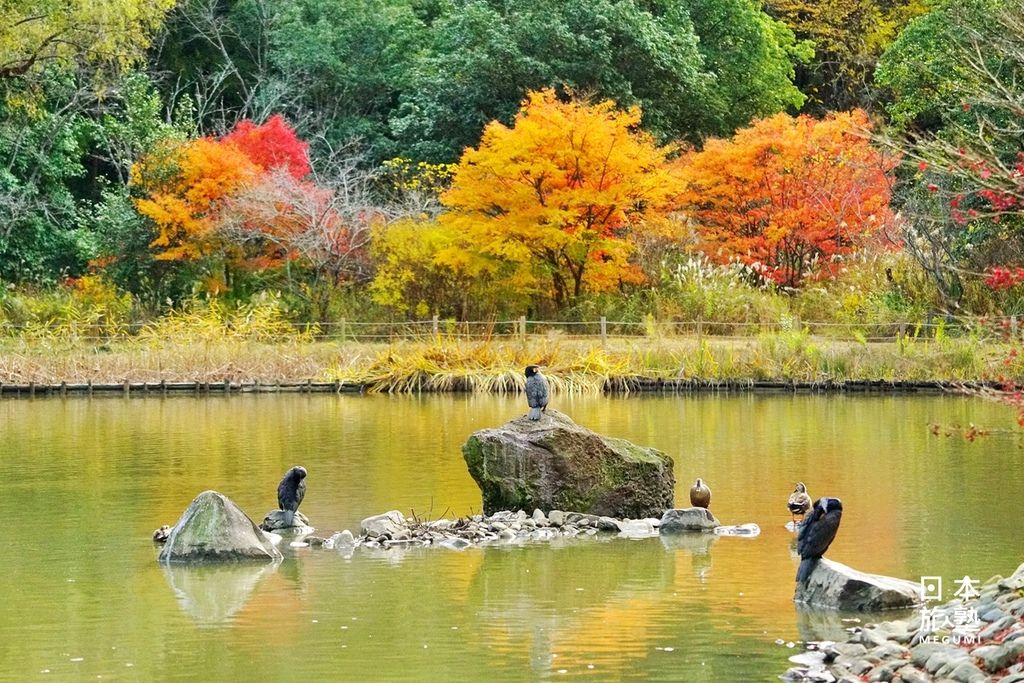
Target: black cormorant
291,491
536,392
799,501
700,495
816,534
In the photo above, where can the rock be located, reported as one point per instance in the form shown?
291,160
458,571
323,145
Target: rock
556,517
835,586
342,539
739,530
637,528
1015,582
688,519
539,516
608,524
968,673
279,519
911,675
920,654
1012,678
997,657
455,543
388,524
553,463
213,528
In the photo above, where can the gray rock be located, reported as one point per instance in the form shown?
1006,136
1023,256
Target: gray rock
885,671
637,528
920,654
1012,678
608,524
553,463
835,586
1015,582
213,528
278,520
342,539
997,657
993,613
890,651
688,519
387,524
911,675
968,673
455,543
556,517
995,627
539,516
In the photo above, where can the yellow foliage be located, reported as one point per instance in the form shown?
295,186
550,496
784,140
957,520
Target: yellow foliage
554,203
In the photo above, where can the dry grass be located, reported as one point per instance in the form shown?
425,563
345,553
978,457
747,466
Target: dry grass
180,352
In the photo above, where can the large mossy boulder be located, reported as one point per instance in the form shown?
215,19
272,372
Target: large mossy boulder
554,464
214,529
832,585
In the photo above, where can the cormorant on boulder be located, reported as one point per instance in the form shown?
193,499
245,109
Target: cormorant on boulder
291,491
536,392
700,495
799,501
816,534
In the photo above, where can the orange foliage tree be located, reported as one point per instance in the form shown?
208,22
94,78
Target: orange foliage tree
788,197
552,204
241,201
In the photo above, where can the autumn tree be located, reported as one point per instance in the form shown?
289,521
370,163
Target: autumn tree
38,33
787,196
551,204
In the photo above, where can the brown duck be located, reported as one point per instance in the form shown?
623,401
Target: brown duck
799,501
700,495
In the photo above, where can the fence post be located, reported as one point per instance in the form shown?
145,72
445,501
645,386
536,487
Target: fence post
700,329
434,325
522,327
342,323
604,330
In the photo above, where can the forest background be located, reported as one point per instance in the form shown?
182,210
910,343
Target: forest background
304,167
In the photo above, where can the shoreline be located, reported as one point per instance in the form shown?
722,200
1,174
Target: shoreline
614,386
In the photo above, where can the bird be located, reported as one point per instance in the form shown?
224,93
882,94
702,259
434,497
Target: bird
799,501
536,392
816,534
700,494
291,491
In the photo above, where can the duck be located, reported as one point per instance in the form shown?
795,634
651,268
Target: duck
799,501
700,494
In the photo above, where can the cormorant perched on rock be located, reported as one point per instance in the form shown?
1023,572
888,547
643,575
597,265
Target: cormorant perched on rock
700,495
291,491
536,392
816,534
799,501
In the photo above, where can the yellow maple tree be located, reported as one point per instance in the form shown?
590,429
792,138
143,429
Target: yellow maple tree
551,205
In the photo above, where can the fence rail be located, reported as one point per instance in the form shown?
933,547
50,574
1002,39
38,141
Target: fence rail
522,328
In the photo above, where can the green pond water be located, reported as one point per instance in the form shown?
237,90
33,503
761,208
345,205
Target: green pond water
83,483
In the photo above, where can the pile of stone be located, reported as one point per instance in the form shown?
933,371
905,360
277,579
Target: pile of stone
902,652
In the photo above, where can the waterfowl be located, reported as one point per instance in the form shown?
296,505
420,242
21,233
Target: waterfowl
816,534
700,494
536,392
291,491
799,501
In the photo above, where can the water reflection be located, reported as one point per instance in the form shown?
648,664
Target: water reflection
213,594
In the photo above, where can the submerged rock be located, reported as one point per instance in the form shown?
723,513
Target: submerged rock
688,519
214,529
835,586
553,463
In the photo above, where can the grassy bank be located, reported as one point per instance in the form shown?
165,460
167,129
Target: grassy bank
441,363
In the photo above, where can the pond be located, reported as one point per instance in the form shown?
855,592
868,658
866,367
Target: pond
83,483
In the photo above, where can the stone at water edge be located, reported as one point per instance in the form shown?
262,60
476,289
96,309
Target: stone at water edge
835,586
277,520
213,528
688,519
555,464
391,524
